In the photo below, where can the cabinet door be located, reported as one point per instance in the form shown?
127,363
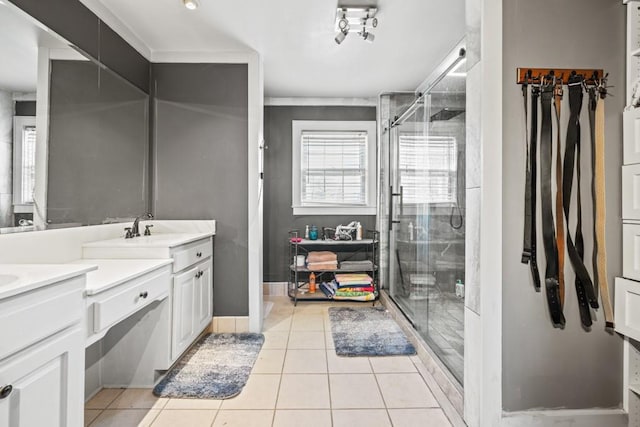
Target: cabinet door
47,382
184,311
204,300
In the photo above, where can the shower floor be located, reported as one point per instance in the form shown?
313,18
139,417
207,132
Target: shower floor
439,319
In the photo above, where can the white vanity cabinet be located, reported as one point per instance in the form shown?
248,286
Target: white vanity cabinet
191,294
192,305
42,356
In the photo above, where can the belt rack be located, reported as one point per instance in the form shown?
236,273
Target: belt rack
537,75
546,92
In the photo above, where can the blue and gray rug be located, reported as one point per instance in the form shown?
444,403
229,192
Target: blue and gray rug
367,331
217,367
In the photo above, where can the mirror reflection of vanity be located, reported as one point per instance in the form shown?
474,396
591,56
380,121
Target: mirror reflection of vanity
74,136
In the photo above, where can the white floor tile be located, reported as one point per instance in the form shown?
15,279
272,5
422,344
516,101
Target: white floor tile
405,391
103,398
354,391
303,417
305,362
191,418
248,418
138,398
361,417
259,393
269,362
306,340
347,365
311,322
193,404
392,364
126,418
304,392
275,340
419,418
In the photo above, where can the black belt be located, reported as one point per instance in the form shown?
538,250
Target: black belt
548,225
529,255
583,284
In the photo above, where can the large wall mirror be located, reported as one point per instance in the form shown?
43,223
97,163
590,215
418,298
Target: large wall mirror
74,144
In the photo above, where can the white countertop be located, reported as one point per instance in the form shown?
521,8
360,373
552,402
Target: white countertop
19,278
168,240
113,272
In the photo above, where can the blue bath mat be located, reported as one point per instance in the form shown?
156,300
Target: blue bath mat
367,331
217,367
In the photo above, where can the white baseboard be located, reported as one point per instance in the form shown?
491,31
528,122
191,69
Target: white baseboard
229,324
278,289
566,418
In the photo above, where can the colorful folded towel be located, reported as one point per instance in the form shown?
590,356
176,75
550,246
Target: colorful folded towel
329,265
366,296
321,256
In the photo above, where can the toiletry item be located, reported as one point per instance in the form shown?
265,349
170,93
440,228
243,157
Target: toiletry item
312,283
359,231
459,289
299,260
313,233
306,232
411,236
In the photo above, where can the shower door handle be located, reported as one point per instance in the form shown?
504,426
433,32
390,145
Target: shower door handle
391,220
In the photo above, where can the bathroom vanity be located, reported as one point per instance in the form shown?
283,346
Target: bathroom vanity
96,310
42,344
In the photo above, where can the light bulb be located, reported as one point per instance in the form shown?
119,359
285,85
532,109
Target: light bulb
341,36
190,4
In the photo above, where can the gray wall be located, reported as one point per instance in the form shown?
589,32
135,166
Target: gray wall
278,214
83,29
545,367
98,145
200,147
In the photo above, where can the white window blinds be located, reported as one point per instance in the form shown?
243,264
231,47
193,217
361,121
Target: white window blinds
427,166
333,168
28,167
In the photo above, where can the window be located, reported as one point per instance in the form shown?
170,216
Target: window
334,167
24,160
428,167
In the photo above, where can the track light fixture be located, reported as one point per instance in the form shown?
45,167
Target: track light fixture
342,35
367,36
358,20
191,4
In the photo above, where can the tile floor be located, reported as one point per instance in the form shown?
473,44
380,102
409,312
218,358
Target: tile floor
297,381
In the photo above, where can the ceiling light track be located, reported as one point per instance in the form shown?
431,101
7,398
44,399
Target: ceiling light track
359,20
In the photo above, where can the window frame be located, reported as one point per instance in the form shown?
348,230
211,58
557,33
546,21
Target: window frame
452,174
19,123
300,126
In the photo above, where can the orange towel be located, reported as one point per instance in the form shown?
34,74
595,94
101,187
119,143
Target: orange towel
321,256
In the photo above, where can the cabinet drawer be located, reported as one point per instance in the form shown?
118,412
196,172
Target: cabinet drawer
631,192
631,252
187,255
627,307
131,298
631,126
33,316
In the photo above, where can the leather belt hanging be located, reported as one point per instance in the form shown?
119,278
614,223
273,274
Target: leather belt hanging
557,103
583,284
529,250
599,202
548,228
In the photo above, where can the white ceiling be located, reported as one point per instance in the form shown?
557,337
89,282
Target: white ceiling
295,39
19,41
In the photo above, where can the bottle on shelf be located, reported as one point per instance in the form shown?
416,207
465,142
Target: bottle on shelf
306,232
312,283
359,232
411,230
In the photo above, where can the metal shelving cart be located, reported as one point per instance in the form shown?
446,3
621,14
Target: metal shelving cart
347,250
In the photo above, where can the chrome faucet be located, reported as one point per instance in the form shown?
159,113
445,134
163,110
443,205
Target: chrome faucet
134,230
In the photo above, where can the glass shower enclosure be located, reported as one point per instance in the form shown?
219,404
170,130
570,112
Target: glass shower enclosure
422,210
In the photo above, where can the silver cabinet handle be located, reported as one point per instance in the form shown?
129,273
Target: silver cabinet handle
6,391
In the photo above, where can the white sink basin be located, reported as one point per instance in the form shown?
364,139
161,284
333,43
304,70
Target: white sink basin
6,279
